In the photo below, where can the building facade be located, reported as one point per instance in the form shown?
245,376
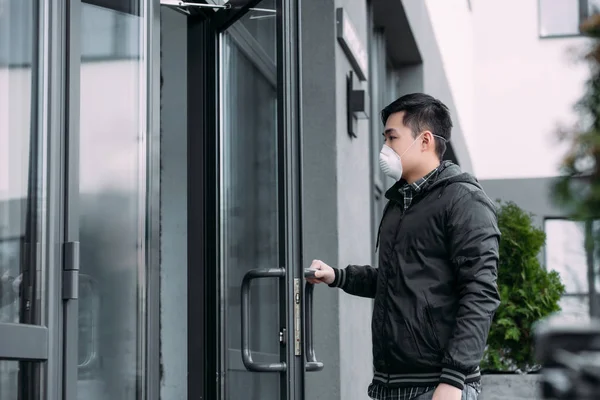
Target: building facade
520,119
168,170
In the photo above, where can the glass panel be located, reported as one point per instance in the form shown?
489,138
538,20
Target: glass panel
565,253
173,207
20,162
109,34
9,380
260,23
249,206
112,208
559,17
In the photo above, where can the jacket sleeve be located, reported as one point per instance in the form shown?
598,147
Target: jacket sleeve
359,280
473,239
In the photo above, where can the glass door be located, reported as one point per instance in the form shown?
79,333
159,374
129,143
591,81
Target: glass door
248,308
263,343
110,256
23,336
112,176
249,203
78,232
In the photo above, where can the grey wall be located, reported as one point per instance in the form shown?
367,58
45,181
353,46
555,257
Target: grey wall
532,195
320,198
355,197
337,195
173,269
410,79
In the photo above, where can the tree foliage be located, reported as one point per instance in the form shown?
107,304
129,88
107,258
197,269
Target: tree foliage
577,191
528,291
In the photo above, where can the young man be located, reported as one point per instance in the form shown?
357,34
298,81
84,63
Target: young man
435,289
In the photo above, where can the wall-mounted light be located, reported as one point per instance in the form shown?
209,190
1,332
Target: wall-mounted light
357,104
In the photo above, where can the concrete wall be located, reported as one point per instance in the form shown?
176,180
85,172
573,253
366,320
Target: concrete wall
355,194
524,87
337,199
502,80
531,194
320,197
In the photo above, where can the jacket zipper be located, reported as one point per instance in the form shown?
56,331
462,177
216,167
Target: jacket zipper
386,305
385,209
415,200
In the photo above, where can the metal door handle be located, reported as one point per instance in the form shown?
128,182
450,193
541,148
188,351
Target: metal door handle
311,359
88,296
246,352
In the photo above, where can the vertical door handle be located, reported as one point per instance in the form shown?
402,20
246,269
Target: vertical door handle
246,352
311,359
89,311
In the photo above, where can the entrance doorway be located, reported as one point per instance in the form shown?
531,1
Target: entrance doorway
246,294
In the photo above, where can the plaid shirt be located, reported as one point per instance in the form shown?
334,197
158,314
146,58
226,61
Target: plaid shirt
378,391
411,189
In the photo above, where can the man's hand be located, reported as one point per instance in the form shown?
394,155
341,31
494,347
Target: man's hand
323,274
447,392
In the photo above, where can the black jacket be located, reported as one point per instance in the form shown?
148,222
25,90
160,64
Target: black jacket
435,289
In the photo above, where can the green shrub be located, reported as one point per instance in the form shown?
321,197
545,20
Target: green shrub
528,292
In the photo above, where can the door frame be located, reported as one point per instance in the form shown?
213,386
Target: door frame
30,341
204,295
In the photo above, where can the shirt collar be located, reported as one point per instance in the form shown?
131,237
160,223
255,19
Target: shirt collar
417,185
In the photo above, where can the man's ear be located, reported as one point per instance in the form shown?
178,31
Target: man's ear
427,140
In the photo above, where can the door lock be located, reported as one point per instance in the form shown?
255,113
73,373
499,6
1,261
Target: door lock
282,333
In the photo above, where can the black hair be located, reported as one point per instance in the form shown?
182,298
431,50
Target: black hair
423,112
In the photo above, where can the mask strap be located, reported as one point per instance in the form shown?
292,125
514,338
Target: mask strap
415,141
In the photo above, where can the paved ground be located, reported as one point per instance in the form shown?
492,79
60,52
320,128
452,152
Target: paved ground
510,387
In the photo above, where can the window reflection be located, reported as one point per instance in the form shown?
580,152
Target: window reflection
565,254
9,379
249,206
559,17
111,204
108,34
19,161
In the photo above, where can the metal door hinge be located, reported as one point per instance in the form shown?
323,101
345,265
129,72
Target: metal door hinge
71,271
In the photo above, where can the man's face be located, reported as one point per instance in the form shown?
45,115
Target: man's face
399,137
